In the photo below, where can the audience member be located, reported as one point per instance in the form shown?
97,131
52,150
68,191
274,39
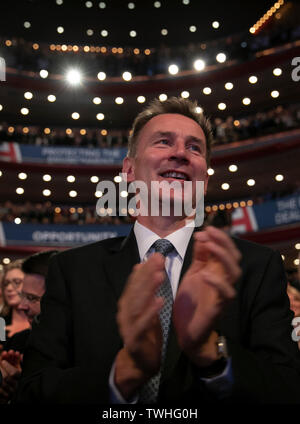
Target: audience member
35,269
12,283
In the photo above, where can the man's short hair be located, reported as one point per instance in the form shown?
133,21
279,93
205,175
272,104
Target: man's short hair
176,105
38,263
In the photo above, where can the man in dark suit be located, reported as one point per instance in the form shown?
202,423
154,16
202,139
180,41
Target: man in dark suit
105,332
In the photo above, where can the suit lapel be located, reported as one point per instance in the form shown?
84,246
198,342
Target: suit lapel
120,262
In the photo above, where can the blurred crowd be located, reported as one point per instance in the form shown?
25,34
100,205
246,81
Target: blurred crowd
226,130
47,213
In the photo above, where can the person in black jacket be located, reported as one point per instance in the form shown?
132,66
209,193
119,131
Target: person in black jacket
35,269
102,334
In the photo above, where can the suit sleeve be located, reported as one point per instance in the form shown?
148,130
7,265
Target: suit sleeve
47,376
266,362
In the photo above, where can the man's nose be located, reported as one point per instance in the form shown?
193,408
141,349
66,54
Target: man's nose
23,305
179,151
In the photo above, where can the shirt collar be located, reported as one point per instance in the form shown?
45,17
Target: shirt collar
145,238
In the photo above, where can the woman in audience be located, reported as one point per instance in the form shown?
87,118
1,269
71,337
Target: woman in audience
11,285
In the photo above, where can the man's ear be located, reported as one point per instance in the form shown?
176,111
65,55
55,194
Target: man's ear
128,168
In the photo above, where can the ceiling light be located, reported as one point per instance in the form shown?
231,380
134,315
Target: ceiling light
104,33
94,179
131,5
24,111
90,32
28,95
210,171
27,24
117,179
157,4
193,28
185,94
17,221
252,79
88,4
119,100
71,178
221,57
199,64
124,193
198,109
98,193
126,76
96,100
101,76
296,262
44,73
1,107
206,90
222,106
225,186
246,101
20,190
60,29
215,24
163,97
164,31
297,246
229,86
100,116
59,2
251,182
73,76
173,69
132,33
275,94
22,176
141,99
72,193
102,5
186,2
75,115
277,72
279,177
46,192
51,98
232,168
47,177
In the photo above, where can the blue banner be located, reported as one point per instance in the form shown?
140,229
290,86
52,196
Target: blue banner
57,235
274,213
13,152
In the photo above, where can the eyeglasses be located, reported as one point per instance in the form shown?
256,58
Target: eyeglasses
15,282
31,298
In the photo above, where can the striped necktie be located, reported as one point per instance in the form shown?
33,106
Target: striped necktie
150,391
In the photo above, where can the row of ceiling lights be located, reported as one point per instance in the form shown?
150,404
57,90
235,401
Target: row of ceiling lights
74,78
130,5
119,100
94,179
263,20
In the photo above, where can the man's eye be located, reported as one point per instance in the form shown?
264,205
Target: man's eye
163,141
195,147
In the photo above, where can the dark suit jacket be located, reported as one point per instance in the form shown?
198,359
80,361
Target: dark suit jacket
72,348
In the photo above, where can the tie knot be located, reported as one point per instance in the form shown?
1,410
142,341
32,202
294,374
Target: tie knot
163,246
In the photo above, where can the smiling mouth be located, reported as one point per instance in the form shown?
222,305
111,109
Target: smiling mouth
175,175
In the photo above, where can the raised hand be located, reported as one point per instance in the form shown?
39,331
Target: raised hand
206,288
139,325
